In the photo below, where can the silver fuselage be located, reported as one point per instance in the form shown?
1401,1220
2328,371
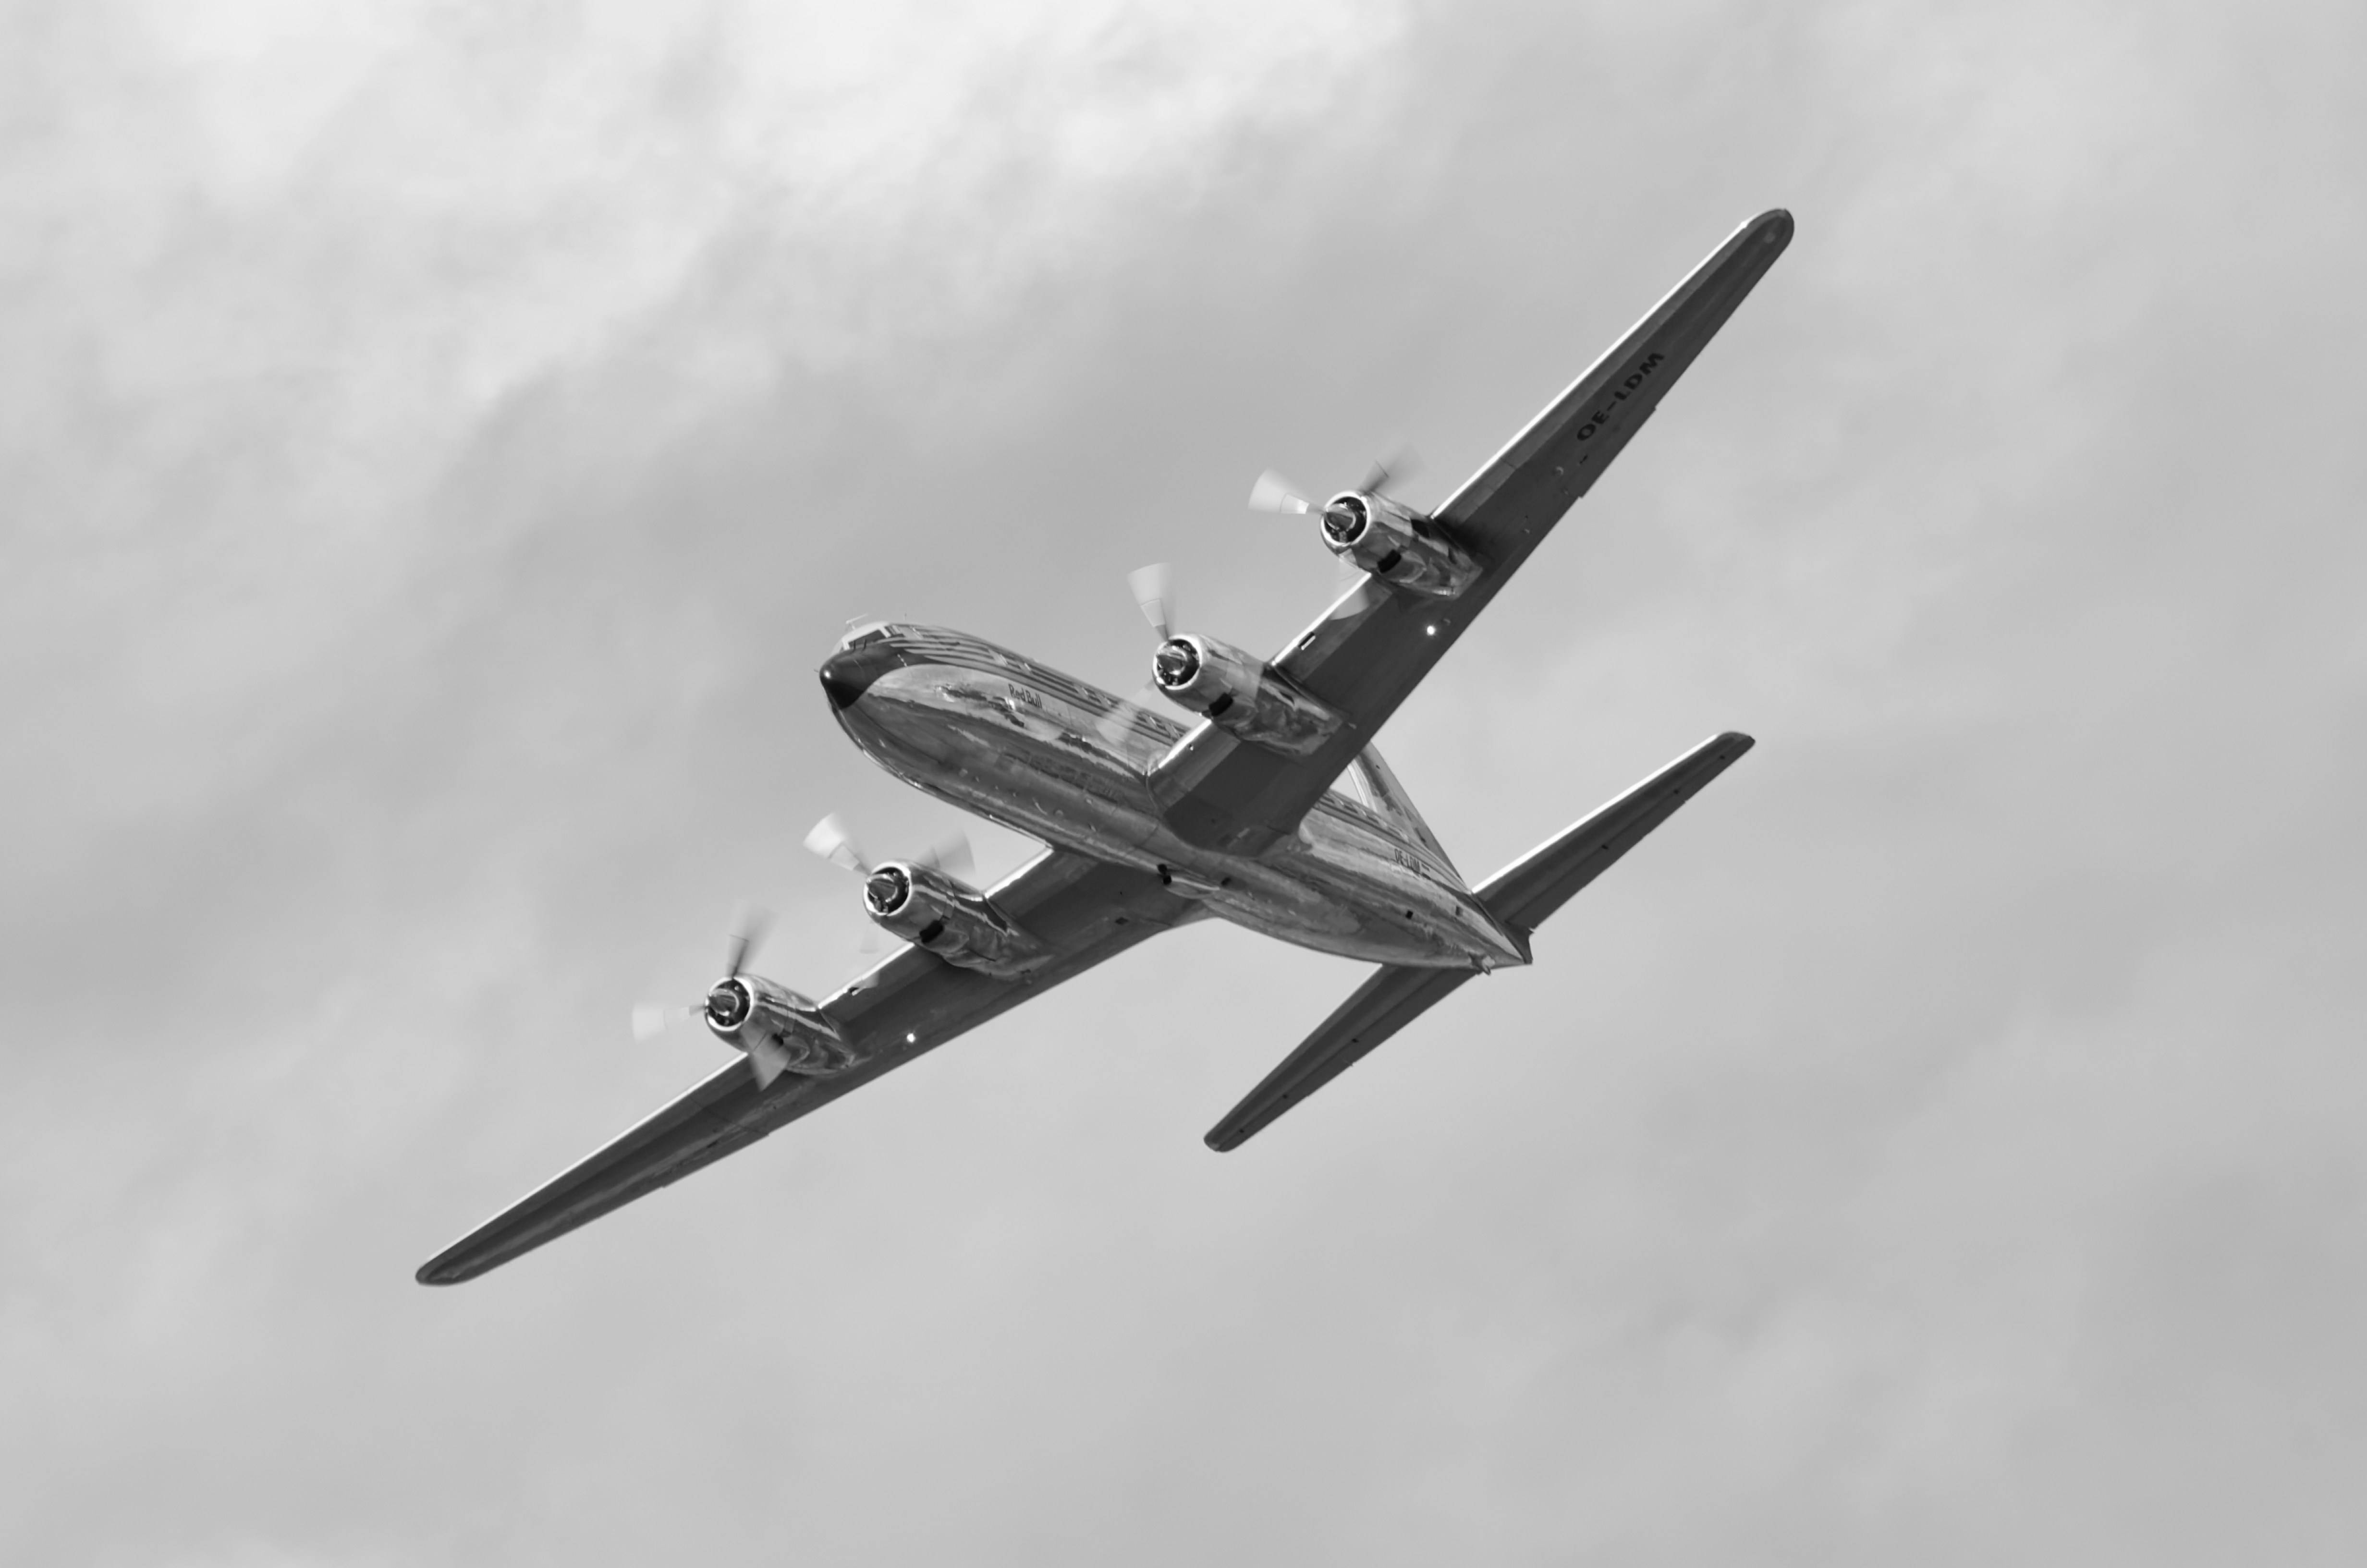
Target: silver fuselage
1051,757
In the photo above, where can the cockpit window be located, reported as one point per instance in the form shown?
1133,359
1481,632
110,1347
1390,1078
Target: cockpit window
862,634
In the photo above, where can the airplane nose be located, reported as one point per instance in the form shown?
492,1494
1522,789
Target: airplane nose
847,674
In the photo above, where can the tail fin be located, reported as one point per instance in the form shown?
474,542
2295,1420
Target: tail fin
1522,896
1369,780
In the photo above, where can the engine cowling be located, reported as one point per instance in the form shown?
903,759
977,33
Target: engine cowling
1395,544
1244,696
745,1009
959,924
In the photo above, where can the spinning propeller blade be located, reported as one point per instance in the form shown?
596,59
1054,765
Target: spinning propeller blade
767,1060
747,935
1274,493
1114,726
1154,590
1400,465
950,854
830,840
652,1019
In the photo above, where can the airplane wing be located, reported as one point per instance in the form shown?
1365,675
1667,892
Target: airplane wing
1522,896
1085,911
1367,655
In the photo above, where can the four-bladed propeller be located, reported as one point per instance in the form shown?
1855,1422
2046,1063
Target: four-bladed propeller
829,839
727,1004
1274,493
1154,591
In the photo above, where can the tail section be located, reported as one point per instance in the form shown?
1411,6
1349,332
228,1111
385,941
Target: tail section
1393,998
1534,886
1369,779
1522,896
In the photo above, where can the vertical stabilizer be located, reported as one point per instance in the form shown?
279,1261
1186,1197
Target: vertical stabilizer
1369,780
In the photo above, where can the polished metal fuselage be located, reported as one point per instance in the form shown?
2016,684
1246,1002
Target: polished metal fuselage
1066,762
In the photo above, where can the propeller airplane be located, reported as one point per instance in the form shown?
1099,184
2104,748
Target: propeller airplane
1262,803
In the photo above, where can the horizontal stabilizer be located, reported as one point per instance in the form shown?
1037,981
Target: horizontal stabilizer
1548,876
1522,896
1393,998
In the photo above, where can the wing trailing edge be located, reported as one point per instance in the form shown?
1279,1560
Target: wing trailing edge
1088,911
1375,644
1522,896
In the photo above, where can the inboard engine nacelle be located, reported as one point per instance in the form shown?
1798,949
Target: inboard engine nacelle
1395,544
752,1015
926,908
1243,695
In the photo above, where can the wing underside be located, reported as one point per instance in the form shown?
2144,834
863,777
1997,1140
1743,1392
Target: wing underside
1370,650
1087,911
1522,896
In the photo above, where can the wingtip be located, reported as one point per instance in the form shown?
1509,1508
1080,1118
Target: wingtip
1774,225
450,1267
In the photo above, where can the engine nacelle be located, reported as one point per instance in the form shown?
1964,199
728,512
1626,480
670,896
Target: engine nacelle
957,922
745,1009
1395,544
1244,696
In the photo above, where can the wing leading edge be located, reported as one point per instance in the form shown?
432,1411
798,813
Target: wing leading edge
1087,911
1370,650
1522,896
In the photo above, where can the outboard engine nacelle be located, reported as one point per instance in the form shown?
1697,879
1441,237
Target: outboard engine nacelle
926,908
772,1022
1242,695
1395,544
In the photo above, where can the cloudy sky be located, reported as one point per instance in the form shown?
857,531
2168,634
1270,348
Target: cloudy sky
439,442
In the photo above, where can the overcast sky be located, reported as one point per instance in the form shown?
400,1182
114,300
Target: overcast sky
439,442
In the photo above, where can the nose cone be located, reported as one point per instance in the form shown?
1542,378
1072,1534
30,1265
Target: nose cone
848,673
